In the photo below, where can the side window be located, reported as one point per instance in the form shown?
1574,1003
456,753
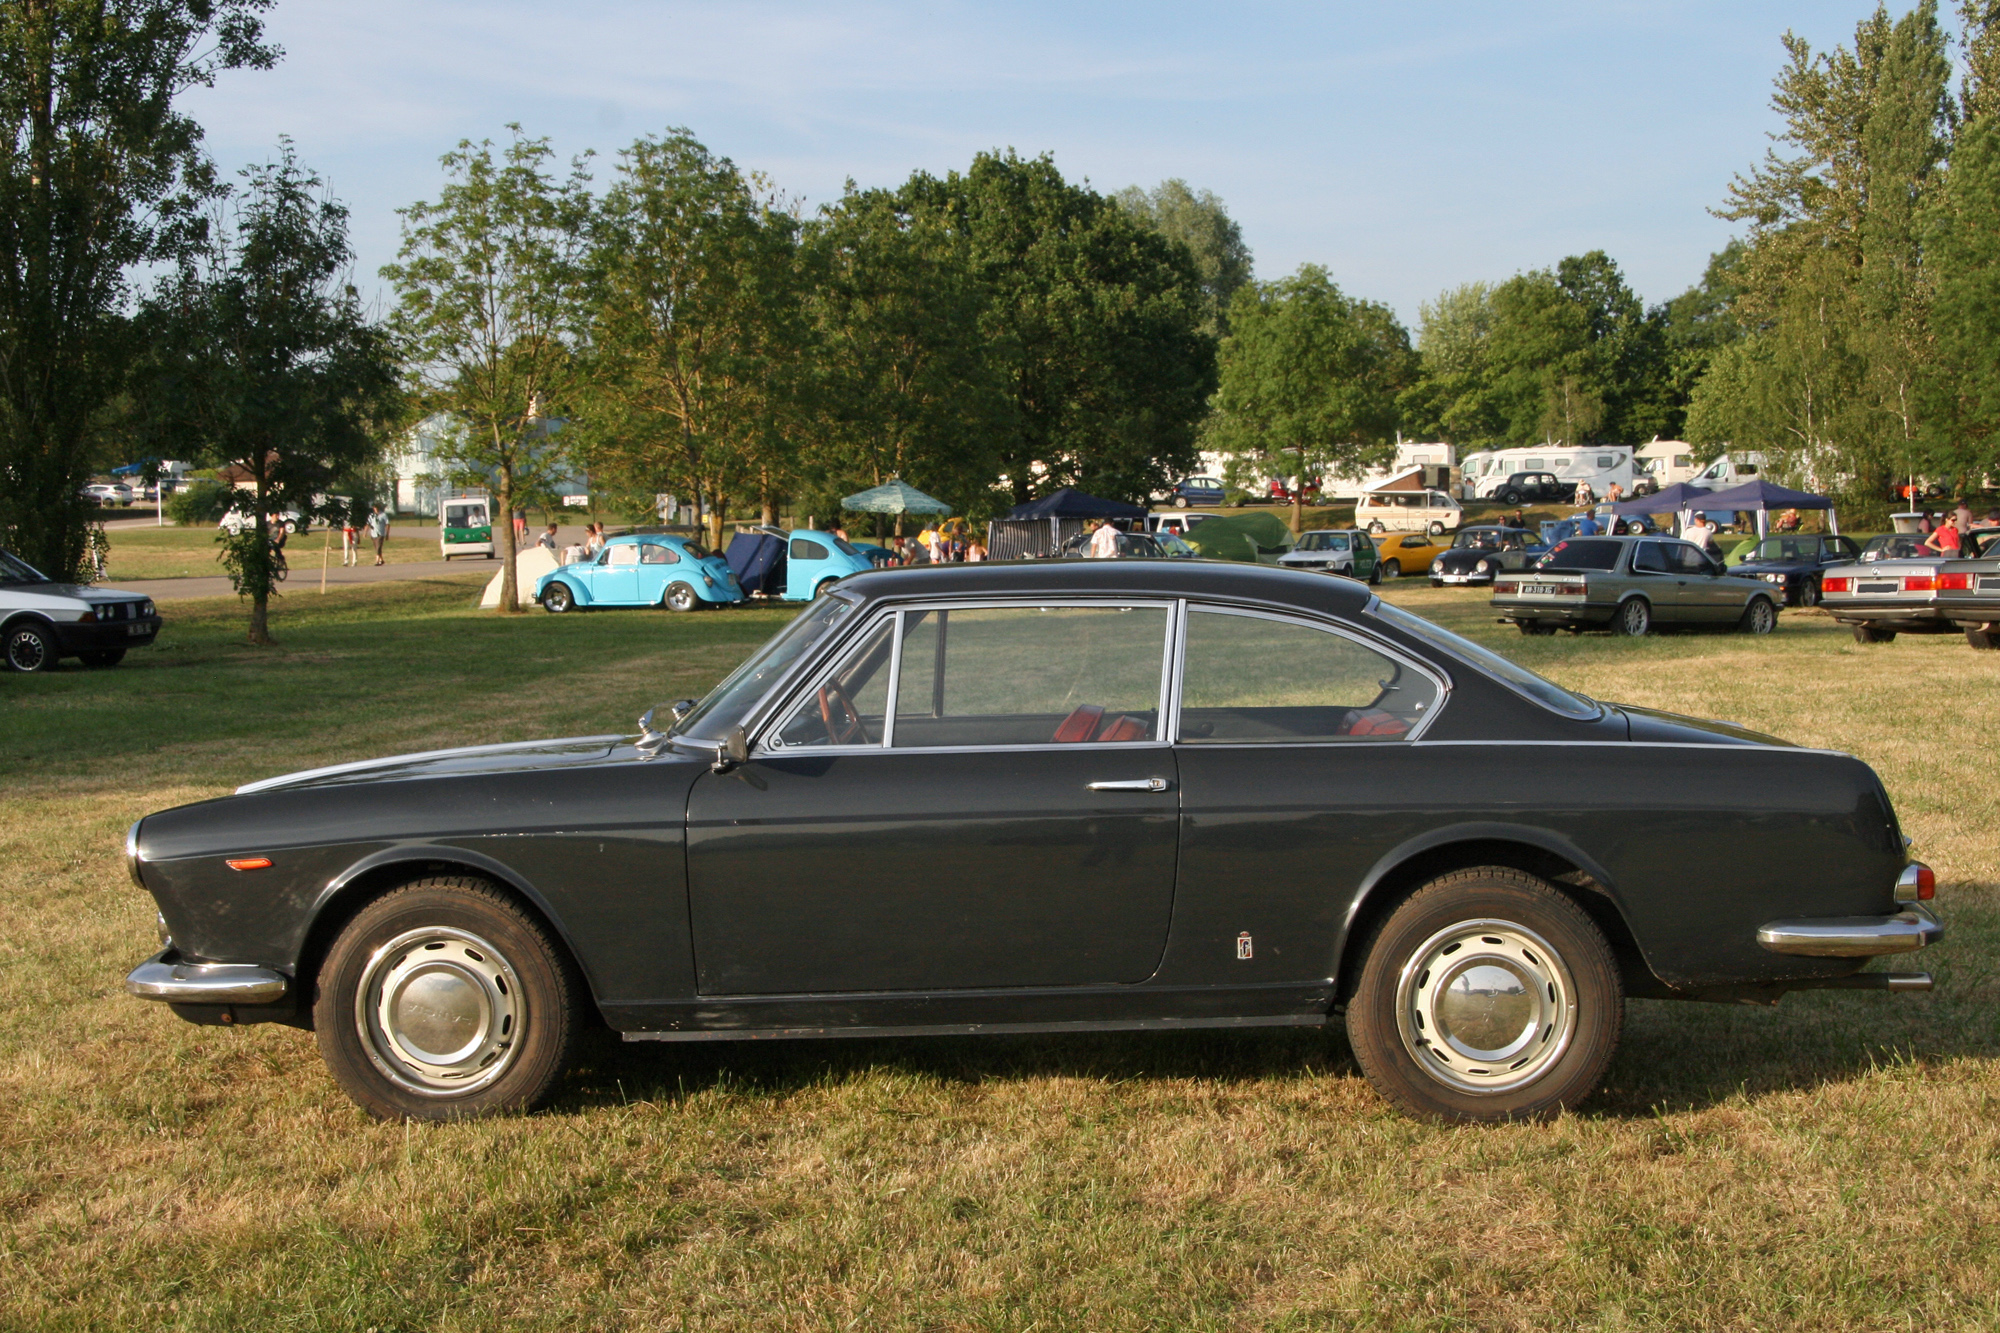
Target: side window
1688,558
1650,558
653,554
1250,679
1606,462
1030,676
804,548
847,707
621,555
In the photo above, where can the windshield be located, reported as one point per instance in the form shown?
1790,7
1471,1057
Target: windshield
13,570
1517,678
1484,540
725,706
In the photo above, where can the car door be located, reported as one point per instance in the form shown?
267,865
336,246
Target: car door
1290,734
658,566
1661,581
614,579
1710,593
1010,822
805,559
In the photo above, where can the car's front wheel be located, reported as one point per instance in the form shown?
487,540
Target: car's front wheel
557,598
1180,502
1634,618
1508,496
1809,593
31,648
1760,617
1486,995
445,1000
680,597
1437,529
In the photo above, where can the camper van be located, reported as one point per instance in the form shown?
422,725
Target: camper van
1663,463
1599,465
1729,470
1436,459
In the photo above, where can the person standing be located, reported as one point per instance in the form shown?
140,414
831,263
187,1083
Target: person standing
1964,516
350,547
548,540
1944,541
378,531
520,528
1104,542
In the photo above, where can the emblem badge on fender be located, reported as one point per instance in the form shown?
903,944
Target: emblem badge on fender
1243,945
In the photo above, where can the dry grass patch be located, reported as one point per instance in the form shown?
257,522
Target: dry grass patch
1833,1162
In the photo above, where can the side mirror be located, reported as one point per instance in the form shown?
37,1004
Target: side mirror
735,748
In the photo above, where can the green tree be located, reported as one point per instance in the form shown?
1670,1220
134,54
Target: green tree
489,316
1310,378
260,359
904,386
1203,225
1091,321
100,173
696,328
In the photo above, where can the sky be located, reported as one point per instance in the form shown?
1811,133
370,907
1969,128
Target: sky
1406,147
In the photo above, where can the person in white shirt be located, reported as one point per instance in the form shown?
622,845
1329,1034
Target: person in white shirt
1700,531
1104,542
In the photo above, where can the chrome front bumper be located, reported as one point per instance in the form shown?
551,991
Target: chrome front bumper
1853,936
166,977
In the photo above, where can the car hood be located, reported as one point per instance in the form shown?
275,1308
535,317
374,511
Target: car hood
23,594
513,757
1652,724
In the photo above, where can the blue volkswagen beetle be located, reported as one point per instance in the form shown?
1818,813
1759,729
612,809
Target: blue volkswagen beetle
648,569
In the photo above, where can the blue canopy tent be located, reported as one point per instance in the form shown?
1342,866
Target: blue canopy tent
1672,500
1760,497
1072,503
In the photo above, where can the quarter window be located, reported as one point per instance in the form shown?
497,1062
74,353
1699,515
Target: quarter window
654,554
1650,558
804,548
1252,679
1030,676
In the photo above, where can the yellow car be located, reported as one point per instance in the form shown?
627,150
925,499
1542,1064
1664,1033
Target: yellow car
1400,553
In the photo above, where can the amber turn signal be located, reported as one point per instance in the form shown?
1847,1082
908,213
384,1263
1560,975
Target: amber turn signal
249,863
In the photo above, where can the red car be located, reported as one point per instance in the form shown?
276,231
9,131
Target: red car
1281,493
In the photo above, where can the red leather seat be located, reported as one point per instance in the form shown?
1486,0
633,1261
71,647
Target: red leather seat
1124,727
1374,722
1080,725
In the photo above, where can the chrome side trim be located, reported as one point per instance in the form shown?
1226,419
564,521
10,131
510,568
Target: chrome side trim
982,1029
308,774
165,977
1852,936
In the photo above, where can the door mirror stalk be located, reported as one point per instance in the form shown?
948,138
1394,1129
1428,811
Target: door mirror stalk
734,750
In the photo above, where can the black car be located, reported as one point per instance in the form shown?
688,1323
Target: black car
1793,562
1534,488
1478,553
1058,796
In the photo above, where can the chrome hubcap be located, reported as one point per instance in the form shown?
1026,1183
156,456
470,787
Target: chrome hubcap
26,651
1485,1006
440,1011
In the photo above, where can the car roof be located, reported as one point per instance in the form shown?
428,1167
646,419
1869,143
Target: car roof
1137,578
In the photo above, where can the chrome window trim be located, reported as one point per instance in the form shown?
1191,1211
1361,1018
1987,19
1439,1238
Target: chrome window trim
764,746
1324,626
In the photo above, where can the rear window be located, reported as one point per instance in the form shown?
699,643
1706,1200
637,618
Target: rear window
1581,554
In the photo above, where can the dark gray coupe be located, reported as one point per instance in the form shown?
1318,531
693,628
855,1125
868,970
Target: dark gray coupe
1045,797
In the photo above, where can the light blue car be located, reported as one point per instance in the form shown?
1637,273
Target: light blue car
793,565
644,570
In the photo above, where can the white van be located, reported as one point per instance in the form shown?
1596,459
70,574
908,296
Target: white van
1662,463
1407,511
1599,465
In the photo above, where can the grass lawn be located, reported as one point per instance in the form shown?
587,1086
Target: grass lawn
1830,1163
189,553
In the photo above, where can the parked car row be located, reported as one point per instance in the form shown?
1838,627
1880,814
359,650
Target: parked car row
1885,597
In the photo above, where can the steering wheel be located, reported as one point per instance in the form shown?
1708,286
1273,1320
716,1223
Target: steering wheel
850,728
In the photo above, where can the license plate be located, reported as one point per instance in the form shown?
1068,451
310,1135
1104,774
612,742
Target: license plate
1541,590
1879,585
135,630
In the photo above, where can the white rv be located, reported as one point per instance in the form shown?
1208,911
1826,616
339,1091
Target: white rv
1600,465
1729,470
1663,463
1436,458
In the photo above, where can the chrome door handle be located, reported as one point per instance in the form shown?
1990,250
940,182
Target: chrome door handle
1133,784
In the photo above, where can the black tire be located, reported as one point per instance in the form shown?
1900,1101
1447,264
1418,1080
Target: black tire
1759,617
1508,496
1809,593
1983,639
1375,526
1870,634
680,597
1540,979
1534,628
1634,618
557,598
1180,502
1391,569
102,657
31,647
485,967
1374,574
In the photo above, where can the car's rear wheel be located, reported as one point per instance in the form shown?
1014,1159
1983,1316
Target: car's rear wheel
1634,618
1375,526
1870,634
1508,496
102,657
1437,529
1809,593
680,597
31,648
1180,502
1391,569
1487,995
1760,617
444,1000
557,598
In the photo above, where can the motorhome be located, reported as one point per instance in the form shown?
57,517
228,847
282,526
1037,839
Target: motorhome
1598,465
1729,470
1663,463
1437,459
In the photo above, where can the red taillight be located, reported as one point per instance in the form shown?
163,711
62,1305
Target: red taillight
1919,583
1505,588
1917,883
1573,589
1836,585
1954,583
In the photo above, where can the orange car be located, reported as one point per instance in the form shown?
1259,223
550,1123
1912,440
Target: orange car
1408,552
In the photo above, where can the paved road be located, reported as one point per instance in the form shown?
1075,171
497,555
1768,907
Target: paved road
305,578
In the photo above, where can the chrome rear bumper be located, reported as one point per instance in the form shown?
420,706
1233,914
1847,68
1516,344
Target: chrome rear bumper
1853,936
166,977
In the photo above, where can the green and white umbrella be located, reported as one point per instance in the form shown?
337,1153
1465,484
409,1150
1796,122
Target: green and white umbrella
894,496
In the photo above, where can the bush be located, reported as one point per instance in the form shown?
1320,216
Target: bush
200,505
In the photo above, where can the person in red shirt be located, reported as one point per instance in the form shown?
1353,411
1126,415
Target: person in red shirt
1944,540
